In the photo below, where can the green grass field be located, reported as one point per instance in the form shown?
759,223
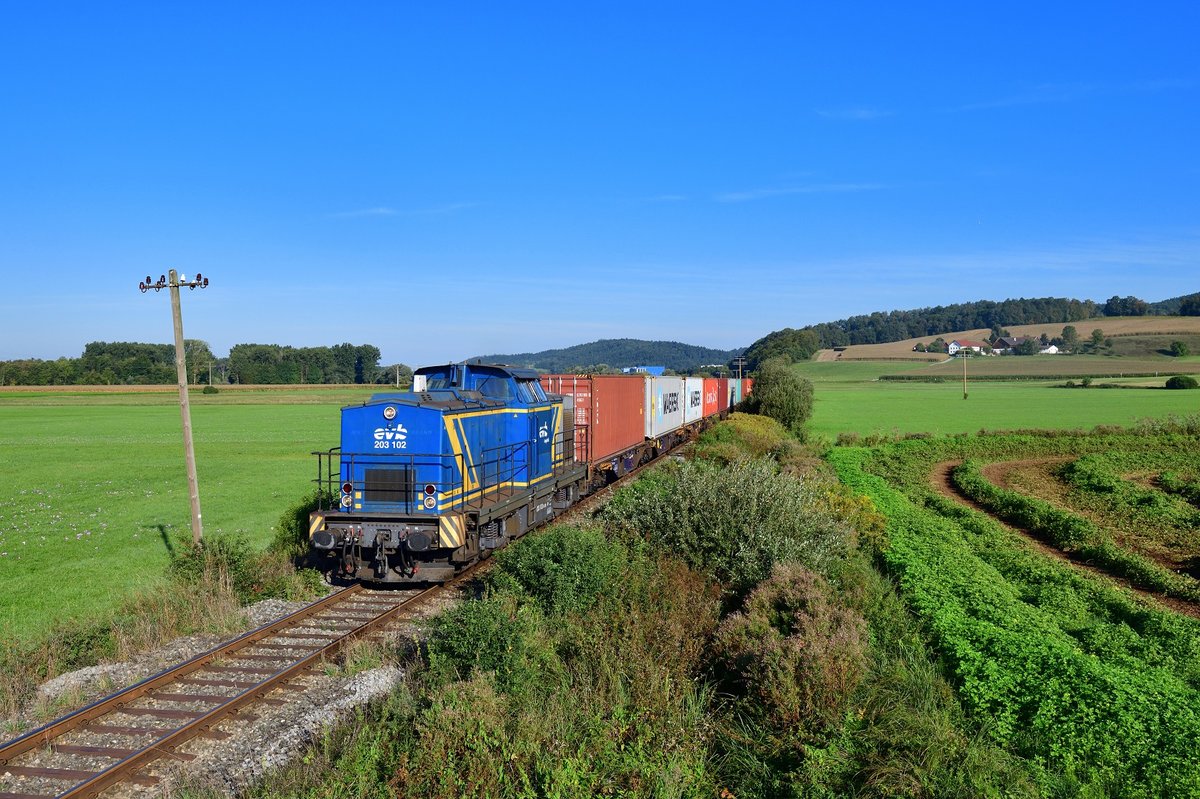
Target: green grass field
849,398
96,490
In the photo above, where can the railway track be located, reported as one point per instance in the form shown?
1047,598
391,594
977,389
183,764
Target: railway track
114,740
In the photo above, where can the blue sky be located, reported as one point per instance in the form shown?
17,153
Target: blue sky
445,180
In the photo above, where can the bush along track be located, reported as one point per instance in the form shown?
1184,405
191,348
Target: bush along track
1096,691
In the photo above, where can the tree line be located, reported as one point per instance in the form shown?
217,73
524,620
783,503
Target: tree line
882,327
136,363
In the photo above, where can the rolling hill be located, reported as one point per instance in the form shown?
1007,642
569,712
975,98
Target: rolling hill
618,352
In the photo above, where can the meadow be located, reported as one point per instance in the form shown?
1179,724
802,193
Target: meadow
849,397
96,493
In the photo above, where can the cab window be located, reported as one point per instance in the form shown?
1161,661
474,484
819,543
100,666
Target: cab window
525,392
496,388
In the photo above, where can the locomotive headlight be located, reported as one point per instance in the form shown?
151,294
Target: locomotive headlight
346,500
430,502
389,412
347,488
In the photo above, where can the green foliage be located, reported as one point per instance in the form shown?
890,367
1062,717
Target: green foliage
1125,306
497,635
265,364
564,569
734,523
1180,349
796,650
210,390
1072,533
780,393
789,344
291,531
1182,382
230,559
743,436
1185,486
880,327
1098,691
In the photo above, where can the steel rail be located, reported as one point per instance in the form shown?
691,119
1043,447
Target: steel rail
127,767
200,722
72,721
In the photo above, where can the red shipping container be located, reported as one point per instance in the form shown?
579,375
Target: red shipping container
609,417
712,390
722,394
747,385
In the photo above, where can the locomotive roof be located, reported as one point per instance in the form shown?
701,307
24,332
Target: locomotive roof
519,372
450,399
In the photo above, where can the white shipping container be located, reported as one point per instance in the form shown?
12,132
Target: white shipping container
693,399
664,405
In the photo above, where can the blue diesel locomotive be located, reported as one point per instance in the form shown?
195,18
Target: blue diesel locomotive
427,481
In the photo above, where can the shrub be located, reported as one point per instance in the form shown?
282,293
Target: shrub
230,559
733,523
796,650
564,568
291,531
1179,349
781,394
1182,382
496,635
740,437
211,389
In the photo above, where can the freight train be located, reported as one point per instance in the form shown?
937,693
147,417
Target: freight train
428,481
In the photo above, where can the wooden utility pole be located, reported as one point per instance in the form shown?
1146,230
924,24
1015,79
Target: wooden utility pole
739,362
173,281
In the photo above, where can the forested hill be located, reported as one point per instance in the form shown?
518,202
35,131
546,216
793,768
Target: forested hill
617,352
881,327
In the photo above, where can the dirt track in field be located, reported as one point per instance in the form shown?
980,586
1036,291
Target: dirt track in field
998,474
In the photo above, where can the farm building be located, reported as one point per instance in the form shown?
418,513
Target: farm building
964,344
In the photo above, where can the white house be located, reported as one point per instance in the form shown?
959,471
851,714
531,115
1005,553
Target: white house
1051,350
963,344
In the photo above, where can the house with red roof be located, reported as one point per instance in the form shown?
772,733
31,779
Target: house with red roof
965,344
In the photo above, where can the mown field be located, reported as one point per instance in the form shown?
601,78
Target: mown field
850,398
95,488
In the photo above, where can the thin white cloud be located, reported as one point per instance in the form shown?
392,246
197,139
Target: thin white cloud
448,208
812,188
1048,93
856,114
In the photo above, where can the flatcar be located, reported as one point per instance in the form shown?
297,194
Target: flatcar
426,482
